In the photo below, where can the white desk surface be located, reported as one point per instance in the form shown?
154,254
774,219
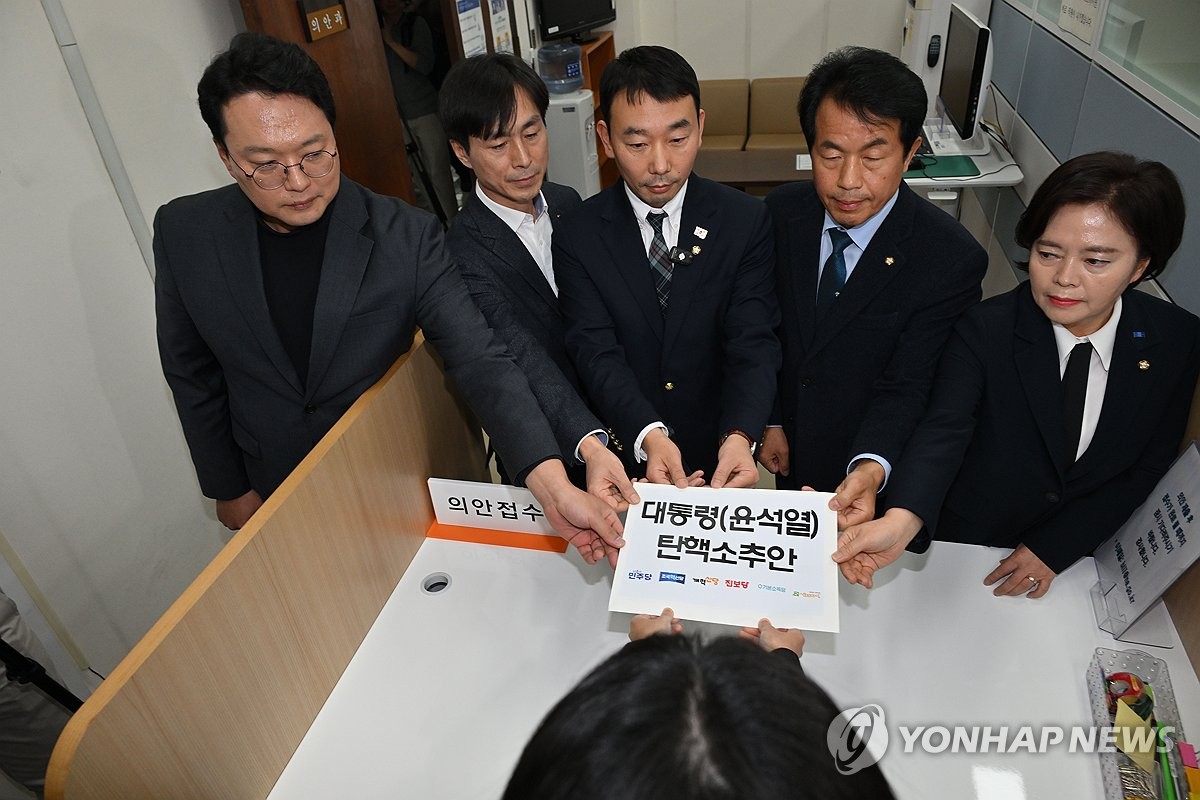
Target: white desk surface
446,689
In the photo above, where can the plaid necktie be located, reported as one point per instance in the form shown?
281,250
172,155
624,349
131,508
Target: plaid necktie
833,275
660,258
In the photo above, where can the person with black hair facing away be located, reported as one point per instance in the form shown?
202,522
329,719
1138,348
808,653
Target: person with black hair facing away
667,285
1060,404
670,716
282,297
871,279
494,108
411,57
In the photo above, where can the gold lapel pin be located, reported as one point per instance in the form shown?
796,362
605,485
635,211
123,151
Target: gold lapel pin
889,261
695,249
1143,365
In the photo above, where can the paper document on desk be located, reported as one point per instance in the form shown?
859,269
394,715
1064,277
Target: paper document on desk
730,556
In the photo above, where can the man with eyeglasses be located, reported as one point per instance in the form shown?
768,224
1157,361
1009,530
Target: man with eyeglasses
282,298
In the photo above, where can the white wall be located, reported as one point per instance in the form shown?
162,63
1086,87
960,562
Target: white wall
145,60
749,38
758,38
97,495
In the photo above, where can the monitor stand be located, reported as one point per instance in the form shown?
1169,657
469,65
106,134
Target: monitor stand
943,139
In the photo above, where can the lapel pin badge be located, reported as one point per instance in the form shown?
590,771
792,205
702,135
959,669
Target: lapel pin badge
700,233
695,249
681,256
1139,334
1143,365
889,261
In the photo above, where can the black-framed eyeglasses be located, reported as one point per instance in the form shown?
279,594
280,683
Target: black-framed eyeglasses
273,174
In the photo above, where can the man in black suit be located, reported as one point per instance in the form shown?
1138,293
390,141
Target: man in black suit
871,279
281,298
667,284
494,109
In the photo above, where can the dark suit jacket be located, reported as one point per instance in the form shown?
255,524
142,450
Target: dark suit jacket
857,380
992,442
710,365
247,419
522,309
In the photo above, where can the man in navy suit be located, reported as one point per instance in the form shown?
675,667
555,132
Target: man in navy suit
667,284
494,109
282,297
871,279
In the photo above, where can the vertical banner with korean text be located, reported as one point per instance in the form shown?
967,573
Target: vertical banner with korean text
730,556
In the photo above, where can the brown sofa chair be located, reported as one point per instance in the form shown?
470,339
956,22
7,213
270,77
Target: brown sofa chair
774,124
725,104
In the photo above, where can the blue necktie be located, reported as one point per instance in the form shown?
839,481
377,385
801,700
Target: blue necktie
833,276
660,258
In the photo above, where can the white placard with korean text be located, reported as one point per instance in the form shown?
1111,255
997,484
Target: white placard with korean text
1160,541
730,556
487,505
1078,18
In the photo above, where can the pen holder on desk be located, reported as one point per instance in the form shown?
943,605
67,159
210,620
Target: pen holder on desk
1152,671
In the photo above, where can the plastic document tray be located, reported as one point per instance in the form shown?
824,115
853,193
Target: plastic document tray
1152,671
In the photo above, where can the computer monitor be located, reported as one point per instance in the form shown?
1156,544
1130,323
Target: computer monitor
966,77
574,18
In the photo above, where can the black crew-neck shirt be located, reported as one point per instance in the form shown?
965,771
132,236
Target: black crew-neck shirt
291,270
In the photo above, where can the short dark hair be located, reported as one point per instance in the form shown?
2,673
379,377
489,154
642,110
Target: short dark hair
1144,196
479,96
671,716
255,62
872,84
656,72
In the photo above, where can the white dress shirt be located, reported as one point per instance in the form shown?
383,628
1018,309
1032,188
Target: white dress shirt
534,230
674,211
1102,341
860,237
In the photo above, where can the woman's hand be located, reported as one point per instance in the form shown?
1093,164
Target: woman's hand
1026,574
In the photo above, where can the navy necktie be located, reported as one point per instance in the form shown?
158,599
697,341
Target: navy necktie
833,275
660,258
1074,390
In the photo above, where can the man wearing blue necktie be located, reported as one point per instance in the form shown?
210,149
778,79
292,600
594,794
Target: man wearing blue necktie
871,279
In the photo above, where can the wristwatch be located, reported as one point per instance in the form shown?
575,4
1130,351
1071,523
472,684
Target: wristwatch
743,434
